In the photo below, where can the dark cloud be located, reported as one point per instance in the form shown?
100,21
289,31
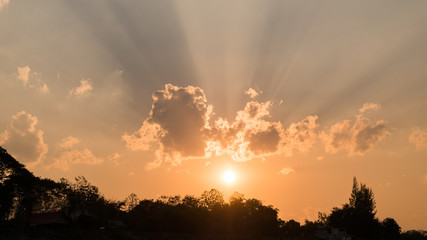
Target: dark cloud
179,124
23,140
178,119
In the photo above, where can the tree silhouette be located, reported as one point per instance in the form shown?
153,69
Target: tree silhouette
357,216
391,229
23,194
130,202
212,199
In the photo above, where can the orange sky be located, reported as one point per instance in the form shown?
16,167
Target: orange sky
158,98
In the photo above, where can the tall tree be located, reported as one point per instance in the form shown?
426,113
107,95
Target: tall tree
358,216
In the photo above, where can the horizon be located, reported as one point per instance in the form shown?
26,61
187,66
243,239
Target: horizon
282,101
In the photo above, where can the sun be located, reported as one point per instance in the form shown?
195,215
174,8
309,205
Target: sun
229,177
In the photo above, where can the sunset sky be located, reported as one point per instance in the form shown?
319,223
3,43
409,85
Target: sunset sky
292,99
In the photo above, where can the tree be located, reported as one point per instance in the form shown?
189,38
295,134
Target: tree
212,199
292,229
131,202
190,201
237,199
414,235
357,216
391,230
362,199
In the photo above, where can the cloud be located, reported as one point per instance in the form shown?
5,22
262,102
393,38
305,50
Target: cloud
369,106
177,121
418,137
250,135
3,3
115,158
23,140
82,90
144,137
252,93
301,135
74,156
358,136
286,171
68,142
179,127
70,152
31,79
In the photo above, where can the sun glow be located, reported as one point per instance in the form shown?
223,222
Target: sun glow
229,177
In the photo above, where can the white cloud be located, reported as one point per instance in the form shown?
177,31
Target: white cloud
74,156
23,140
68,142
69,152
286,171
369,106
419,137
82,90
3,3
252,93
31,79
115,158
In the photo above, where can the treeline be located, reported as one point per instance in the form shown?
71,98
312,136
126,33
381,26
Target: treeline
23,195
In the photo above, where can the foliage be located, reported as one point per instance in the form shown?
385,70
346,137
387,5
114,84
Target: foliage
414,235
22,194
357,216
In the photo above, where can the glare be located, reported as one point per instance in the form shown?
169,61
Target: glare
229,177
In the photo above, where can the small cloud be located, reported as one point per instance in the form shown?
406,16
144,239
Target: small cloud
23,140
207,163
252,93
369,106
115,158
143,138
419,137
3,3
31,79
68,142
286,171
84,88
131,173
24,74
320,158
358,136
74,156
70,152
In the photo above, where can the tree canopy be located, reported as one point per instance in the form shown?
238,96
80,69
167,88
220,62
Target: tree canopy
22,195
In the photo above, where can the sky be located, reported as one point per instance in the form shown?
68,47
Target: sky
295,98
